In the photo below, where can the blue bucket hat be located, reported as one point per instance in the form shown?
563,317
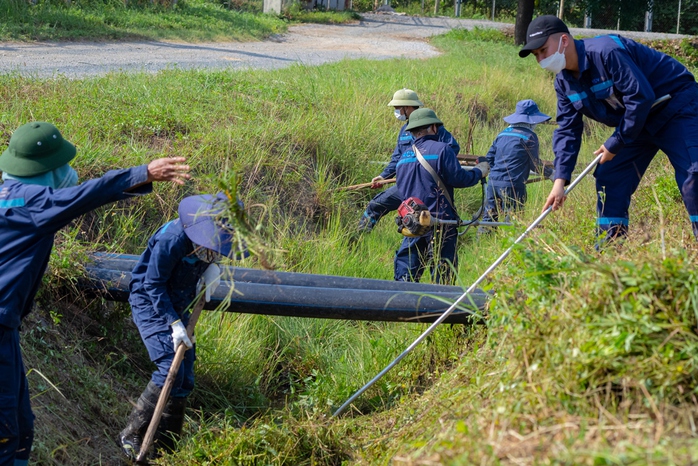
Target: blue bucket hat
526,112
204,224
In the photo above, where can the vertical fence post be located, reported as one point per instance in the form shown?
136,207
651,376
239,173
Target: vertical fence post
649,16
587,20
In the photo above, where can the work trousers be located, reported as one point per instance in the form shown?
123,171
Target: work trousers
503,199
16,417
437,248
161,351
381,204
617,180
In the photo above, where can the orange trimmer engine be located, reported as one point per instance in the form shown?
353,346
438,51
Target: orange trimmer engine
413,219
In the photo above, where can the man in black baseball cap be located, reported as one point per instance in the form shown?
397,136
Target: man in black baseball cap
539,30
647,96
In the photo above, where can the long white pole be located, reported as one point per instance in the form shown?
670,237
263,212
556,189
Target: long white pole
472,287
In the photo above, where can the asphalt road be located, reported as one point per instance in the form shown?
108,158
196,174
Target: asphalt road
376,36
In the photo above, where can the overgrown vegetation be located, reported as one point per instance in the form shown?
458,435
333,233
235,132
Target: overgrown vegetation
188,20
584,357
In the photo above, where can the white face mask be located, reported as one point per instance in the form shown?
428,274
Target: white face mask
400,116
555,62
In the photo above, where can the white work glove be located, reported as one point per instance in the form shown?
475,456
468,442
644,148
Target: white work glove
209,281
375,180
179,335
484,167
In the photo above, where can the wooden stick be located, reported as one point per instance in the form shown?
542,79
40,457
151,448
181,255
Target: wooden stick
365,185
466,160
167,388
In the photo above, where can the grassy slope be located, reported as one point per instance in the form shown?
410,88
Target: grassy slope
189,20
558,372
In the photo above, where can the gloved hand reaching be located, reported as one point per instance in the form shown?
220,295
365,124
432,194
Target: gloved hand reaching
484,167
209,281
375,182
179,335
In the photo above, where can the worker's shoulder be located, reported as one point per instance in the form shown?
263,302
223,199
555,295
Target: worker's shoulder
517,133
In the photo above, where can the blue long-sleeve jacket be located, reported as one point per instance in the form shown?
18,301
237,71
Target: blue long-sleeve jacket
618,83
163,282
512,157
413,180
30,215
405,141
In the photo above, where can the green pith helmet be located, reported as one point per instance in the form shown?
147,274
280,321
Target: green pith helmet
36,148
405,98
423,117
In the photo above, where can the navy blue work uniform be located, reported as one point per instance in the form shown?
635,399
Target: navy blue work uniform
619,81
163,287
512,157
389,200
30,215
413,180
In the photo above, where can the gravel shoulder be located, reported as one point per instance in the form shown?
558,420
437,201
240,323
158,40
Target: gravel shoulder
375,36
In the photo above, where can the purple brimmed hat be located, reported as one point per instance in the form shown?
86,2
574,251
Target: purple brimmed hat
526,112
203,224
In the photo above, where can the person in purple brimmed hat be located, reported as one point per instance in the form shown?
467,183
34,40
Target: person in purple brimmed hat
164,285
512,157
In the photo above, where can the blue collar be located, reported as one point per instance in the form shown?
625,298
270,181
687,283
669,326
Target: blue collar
582,62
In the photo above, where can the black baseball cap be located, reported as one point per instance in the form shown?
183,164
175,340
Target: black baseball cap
539,30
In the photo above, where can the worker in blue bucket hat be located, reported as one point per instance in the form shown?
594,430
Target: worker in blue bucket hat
404,102
39,196
178,261
648,97
512,157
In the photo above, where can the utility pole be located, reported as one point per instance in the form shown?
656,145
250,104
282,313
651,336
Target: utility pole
678,18
493,6
562,9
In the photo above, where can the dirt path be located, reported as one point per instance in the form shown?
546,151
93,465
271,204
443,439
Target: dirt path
376,36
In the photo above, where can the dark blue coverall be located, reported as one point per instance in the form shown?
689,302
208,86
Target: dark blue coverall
30,215
413,180
389,200
618,83
512,157
163,286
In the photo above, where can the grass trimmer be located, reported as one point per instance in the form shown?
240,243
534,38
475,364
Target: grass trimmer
472,287
414,219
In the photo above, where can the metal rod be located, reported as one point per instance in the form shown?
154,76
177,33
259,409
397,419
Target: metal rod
472,287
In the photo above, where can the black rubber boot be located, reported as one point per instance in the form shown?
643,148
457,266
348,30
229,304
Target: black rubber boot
170,427
131,437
